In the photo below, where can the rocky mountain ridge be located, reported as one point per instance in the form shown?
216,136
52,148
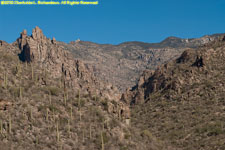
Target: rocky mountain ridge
73,73
183,101
164,77
122,64
62,101
49,100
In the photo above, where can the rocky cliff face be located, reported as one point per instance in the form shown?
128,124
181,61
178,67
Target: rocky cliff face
49,100
183,100
72,73
39,49
122,64
172,76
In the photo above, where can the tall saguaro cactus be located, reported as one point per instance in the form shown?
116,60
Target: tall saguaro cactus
79,99
68,126
32,72
1,127
90,132
21,93
71,112
102,139
50,98
10,125
57,132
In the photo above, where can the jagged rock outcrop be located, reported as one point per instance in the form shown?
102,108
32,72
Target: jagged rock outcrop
73,73
53,40
223,38
165,77
186,56
34,46
183,100
39,49
2,43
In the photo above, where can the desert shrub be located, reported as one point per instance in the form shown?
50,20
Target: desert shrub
82,102
114,123
122,147
99,114
210,129
146,133
127,136
15,91
8,57
14,70
98,139
105,104
51,90
96,98
53,108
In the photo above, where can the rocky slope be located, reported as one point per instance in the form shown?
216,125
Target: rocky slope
55,95
122,64
183,100
50,56
49,100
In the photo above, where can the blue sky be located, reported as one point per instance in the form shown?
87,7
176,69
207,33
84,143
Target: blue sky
116,21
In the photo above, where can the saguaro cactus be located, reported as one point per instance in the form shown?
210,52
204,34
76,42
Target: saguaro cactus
83,135
80,115
1,127
102,139
32,72
57,132
90,132
50,98
71,112
65,98
47,115
79,99
21,93
54,115
31,114
68,126
10,125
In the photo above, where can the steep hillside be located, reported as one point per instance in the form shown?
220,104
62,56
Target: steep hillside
53,99
50,101
122,64
53,57
183,101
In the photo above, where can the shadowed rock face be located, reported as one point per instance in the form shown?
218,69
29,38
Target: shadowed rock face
224,38
175,74
41,50
63,66
199,62
186,56
2,43
25,54
183,100
35,45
